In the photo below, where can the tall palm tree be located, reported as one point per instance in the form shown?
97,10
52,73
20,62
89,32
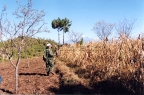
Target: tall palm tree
56,24
63,24
66,23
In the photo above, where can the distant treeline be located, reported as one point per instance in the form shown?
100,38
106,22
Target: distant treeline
32,47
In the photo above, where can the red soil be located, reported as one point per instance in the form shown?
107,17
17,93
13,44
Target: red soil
32,79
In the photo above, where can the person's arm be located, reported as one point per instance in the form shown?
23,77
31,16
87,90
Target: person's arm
44,55
51,53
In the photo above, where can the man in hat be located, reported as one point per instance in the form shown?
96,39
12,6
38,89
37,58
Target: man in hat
48,56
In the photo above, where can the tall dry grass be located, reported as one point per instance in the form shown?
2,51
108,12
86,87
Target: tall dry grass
113,60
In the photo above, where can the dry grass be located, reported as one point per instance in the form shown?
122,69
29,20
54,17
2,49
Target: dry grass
67,75
99,61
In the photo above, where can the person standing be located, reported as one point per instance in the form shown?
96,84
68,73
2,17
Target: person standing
48,58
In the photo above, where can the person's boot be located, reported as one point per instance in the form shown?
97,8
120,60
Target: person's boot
47,73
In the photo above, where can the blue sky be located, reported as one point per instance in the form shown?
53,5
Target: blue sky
85,13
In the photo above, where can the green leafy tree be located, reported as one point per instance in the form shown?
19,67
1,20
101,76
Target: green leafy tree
61,24
81,41
66,23
56,24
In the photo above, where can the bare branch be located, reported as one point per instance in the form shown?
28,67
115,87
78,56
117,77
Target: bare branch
125,27
75,36
103,29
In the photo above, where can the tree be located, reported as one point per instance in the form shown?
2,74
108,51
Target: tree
56,24
29,22
103,29
125,27
75,36
61,24
65,26
81,41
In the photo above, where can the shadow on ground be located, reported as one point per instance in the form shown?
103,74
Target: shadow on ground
7,91
109,87
106,87
32,74
72,89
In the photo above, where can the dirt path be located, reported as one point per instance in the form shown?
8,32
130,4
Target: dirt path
32,79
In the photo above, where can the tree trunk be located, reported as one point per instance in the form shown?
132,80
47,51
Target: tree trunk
63,37
28,63
58,39
16,79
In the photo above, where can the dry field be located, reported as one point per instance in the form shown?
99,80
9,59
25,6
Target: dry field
116,63
114,67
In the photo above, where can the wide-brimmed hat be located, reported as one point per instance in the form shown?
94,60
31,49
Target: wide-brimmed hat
48,45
